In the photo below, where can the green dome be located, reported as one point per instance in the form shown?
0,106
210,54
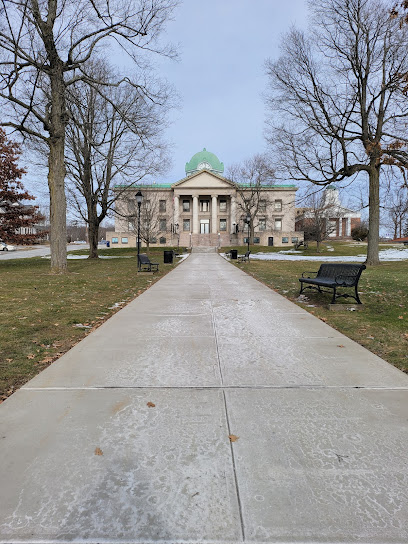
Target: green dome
204,160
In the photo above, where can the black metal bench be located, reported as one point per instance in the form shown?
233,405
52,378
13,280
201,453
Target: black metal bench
244,257
332,276
145,265
301,243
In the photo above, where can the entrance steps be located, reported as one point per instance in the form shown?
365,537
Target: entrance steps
204,249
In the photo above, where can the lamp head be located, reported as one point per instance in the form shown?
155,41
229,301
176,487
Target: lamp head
139,197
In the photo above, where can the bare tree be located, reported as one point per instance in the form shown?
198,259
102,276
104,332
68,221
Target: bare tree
151,219
112,139
45,47
339,96
317,217
397,208
251,177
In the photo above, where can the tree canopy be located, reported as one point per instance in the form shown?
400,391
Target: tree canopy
337,100
16,218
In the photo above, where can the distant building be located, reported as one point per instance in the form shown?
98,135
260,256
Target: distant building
206,209
340,220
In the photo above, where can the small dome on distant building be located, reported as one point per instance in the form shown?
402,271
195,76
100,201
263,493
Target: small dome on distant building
204,160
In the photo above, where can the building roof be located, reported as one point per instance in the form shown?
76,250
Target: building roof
204,160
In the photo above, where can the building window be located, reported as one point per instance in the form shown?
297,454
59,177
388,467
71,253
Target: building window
162,205
204,205
295,239
262,223
262,206
285,240
278,205
245,240
186,205
162,240
223,224
153,240
115,240
278,224
186,225
162,225
124,240
223,205
257,240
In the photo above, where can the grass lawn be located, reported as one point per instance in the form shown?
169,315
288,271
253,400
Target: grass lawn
382,327
43,315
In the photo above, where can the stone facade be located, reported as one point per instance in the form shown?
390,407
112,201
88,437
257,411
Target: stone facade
206,209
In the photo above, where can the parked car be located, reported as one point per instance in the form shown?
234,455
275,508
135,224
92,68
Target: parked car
6,247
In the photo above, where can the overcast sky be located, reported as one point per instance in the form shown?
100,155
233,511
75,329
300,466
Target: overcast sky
220,76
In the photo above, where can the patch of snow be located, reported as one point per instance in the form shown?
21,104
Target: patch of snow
385,255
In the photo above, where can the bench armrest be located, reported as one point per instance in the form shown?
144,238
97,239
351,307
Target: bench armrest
306,272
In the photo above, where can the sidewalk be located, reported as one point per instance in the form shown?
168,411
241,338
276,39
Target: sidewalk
126,437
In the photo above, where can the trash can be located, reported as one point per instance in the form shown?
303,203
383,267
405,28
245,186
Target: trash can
167,257
107,244
234,254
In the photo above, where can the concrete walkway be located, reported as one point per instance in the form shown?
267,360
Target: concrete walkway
126,437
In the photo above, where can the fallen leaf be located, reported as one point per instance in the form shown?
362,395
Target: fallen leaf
340,346
400,317
151,405
98,451
31,356
233,438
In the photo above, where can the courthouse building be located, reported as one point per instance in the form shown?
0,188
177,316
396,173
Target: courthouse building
205,209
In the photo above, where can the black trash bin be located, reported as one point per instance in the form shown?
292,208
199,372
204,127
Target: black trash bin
168,257
234,254
107,244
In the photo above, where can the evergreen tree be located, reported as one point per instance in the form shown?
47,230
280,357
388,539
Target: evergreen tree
14,216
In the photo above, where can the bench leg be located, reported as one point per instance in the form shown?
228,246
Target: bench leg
333,301
357,297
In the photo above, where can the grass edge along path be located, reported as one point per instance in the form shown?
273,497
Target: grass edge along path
43,315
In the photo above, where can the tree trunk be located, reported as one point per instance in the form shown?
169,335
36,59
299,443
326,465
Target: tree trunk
374,217
58,206
56,174
93,234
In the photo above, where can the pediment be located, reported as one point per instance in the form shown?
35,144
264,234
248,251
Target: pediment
204,180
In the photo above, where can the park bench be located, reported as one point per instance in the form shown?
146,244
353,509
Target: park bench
145,264
301,243
244,257
332,276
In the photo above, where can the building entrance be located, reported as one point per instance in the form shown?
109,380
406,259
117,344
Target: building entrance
270,241
205,226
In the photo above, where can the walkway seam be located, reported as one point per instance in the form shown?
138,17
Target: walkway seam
213,387
241,515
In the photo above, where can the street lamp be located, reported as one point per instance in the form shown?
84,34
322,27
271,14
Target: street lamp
248,222
139,200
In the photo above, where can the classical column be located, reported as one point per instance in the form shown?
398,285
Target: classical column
176,210
195,215
233,214
214,225
348,226
340,226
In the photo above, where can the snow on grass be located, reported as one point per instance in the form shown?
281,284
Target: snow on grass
395,254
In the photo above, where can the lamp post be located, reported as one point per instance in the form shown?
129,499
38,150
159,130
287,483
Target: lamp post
139,200
248,222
